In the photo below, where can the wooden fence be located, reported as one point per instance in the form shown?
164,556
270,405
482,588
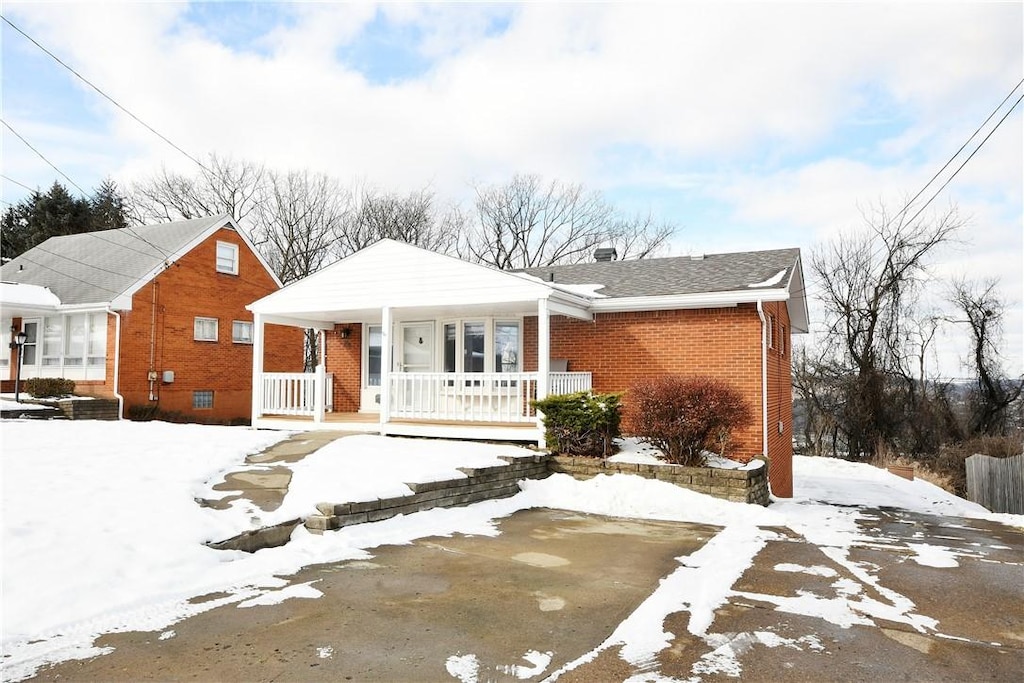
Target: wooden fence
996,483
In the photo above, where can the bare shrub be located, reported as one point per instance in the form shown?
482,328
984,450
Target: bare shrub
684,416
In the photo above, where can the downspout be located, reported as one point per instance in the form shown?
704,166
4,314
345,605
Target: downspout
117,362
152,349
764,377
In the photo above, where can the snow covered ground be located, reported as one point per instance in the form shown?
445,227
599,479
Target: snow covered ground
101,531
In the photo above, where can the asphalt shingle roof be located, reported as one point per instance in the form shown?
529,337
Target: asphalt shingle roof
97,267
677,275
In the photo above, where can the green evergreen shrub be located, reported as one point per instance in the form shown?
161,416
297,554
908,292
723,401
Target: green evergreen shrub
583,423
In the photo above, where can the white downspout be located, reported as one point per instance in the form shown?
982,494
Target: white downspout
764,377
117,362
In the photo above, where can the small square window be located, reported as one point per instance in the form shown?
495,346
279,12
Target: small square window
241,332
202,399
227,258
205,329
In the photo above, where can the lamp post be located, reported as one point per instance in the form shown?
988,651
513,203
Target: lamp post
19,344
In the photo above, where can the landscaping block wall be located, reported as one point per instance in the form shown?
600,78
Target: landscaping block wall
480,483
742,486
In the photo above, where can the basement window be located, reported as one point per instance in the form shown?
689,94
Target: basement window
202,399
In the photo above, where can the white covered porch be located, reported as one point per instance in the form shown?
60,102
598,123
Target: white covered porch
440,344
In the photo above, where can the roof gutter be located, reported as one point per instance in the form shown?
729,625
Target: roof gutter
728,299
117,361
764,377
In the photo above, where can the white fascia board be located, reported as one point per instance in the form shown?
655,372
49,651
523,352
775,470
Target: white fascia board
295,322
729,299
570,311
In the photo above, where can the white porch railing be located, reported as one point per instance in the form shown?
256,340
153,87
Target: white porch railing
475,396
446,396
568,382
293,393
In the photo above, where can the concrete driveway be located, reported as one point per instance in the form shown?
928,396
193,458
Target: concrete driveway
552,582
554,585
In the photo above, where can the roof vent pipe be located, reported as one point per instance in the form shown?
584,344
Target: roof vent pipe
606,254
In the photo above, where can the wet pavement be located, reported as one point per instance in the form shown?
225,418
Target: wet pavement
547,590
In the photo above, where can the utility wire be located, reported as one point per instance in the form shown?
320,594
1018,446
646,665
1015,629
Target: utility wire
59,272
105,95
12,180
971,156
40,155
950,160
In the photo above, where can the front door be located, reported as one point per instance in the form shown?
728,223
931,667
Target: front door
416,355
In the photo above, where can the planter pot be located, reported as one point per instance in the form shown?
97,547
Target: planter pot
905,471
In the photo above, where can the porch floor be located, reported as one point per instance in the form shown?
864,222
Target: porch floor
369,423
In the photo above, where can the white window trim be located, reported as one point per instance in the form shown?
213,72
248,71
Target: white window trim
489,337
234,261
195,329
235,339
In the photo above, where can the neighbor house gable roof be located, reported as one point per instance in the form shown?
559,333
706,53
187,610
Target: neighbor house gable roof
107,267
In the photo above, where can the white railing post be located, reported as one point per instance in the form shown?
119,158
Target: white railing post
257,367
543,362
385,367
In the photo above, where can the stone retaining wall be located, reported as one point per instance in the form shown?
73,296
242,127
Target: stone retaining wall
480,483
744,486
92,409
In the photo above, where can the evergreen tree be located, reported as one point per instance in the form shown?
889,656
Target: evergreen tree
40,216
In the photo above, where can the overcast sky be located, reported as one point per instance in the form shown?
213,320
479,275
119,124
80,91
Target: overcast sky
750,125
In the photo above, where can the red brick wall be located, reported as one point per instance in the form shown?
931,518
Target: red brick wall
620,348
161,325
343,359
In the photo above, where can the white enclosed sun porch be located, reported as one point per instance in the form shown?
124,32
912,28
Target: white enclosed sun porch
414,343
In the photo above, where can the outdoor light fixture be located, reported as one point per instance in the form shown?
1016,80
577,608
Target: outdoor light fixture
345,332
19,343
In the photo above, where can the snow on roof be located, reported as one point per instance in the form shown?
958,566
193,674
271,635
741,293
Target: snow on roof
772,281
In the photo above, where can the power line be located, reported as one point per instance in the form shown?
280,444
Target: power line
59,272
950,160
105,95
40,155
971,155
12,180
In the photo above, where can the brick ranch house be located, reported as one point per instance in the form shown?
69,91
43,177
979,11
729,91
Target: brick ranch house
418,343
152,315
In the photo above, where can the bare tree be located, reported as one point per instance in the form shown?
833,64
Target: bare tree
869,285
528,222
415,218
223,185
993,393
299,217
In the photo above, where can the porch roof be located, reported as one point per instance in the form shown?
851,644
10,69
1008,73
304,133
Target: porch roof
406,278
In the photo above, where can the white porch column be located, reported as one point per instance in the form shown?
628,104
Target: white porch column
257,366
385,367
319,381
543,361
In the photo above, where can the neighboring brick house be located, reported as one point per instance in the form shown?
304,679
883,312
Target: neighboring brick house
154,315
419,343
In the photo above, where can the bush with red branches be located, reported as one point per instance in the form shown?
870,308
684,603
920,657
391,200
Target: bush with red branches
685,416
